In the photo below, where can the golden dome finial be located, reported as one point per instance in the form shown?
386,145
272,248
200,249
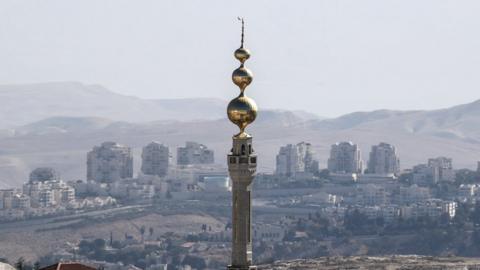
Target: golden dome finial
242,110
241,53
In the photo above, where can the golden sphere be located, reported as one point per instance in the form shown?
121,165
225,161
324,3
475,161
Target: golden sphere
242,111
242,77
242,54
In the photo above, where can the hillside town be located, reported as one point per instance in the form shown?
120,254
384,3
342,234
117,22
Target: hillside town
378,187
299,206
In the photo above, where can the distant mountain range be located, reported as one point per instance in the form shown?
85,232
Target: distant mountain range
24,104
60,136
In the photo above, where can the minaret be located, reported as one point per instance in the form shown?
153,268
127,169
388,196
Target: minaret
242,164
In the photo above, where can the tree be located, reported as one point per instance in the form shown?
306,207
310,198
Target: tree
99,244
444,219
476,213
84,247
355,221
461,214
466,176
380,221
142,232
36,266
195,262
116,244
20,264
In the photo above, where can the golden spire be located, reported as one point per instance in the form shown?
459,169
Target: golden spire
242,110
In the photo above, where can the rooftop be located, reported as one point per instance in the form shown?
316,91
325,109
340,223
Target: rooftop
68,266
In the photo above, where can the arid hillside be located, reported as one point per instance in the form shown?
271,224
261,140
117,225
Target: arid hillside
377,263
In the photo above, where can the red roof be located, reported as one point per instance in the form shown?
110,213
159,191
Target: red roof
68,266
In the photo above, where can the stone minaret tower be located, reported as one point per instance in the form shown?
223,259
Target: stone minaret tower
242,165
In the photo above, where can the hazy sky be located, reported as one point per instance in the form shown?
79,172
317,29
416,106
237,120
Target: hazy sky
328,57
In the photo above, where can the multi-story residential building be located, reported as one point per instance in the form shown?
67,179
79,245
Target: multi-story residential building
289,161
140,192
383,160
345,157
155,159
216,183
6,198
422,175
268,233
436,170
467,191
442,169
194,153
371,195
413,194
388,213
321,198
109,162
294,159
21,201
46,198
48,193
433,208
371,212
311,164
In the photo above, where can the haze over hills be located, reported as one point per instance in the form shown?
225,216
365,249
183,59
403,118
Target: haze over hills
27,103
23,104
62,141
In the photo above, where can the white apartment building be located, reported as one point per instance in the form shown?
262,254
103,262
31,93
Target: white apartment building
49,193
433,208
293,159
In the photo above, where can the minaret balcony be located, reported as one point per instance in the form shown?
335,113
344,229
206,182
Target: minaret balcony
233,159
